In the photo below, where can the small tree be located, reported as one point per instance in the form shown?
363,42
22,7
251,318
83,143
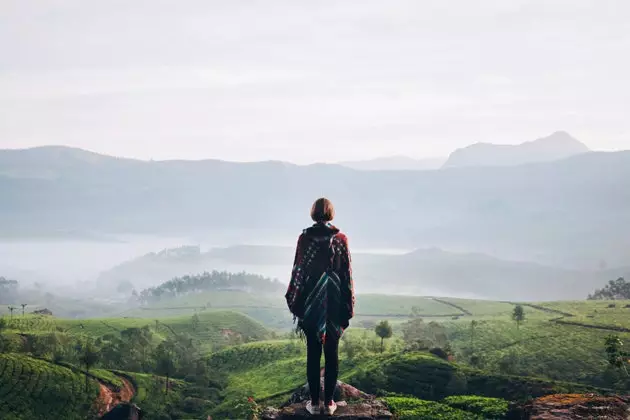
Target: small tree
518,315
11,309
473,324
616,356
165,365
23,306
383,330
195,322
88,358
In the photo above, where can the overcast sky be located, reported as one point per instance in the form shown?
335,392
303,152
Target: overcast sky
310,81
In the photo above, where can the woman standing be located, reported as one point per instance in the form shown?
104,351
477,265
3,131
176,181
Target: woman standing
321,298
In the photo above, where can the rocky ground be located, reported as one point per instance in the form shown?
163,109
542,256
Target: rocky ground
364,410
580,406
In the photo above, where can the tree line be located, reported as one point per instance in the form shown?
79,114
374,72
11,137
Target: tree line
615,289
210,281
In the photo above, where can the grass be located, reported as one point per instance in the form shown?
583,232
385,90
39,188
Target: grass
406,408
388,305
253,355
215,328
34,389
488,408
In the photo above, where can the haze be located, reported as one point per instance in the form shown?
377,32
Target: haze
311,81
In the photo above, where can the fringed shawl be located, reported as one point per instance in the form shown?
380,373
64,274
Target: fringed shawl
320,294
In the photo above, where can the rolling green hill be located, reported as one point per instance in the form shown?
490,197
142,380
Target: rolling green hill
559,347
213,328
36,389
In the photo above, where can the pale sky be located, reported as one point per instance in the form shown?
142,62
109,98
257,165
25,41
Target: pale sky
308,81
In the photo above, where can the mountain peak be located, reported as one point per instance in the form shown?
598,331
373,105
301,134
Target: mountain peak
555,146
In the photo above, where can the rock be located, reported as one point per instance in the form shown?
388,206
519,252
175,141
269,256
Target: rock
366,410
343,392
352,404
579,406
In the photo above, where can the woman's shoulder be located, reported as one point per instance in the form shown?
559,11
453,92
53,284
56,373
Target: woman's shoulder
341,237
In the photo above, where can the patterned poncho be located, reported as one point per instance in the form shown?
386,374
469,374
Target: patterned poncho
320,294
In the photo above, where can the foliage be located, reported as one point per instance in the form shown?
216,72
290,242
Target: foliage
383,330
615,355
247,356
419,335
518,315
406,408
35,389
615,289
430,378
488,408
209,281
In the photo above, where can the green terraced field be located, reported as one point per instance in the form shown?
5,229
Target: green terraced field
388,305
215,327
34,389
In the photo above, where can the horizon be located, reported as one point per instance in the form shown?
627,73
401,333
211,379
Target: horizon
304,163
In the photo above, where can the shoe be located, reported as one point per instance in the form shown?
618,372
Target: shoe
330,408
313,410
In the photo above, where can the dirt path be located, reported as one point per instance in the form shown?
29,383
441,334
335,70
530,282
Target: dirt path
109,398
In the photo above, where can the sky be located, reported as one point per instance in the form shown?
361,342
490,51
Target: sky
307,81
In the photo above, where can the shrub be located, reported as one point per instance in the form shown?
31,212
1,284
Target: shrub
437,351
414,409
489,408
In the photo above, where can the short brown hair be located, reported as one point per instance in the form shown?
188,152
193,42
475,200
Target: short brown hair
322,210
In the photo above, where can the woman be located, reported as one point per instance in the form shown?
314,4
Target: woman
321,298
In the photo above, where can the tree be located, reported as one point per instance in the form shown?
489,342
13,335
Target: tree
383,330
89,357
518,315
164,363
195,322
11,309
473,324
616,356
615,289
24,306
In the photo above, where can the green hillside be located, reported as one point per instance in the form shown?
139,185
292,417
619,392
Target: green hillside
35,389
221,357
212,327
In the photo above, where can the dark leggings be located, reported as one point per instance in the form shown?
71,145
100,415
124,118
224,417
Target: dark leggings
313,356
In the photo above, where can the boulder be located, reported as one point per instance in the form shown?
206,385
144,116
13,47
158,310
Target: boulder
579,406
361,410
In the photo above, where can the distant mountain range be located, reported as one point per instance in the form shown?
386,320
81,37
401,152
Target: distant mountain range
558,145
424,272
571,212
394,163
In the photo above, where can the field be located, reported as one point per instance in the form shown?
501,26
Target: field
213,328
36,389
272,311
561,343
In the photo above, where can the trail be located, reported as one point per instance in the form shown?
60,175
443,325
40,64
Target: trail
540,308
452,305
109,397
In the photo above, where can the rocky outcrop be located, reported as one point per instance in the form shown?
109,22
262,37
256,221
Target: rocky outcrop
363,410
579,406
353,404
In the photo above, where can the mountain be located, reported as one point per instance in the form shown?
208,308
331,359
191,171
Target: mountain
394,163
556,146
571,212
428,271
